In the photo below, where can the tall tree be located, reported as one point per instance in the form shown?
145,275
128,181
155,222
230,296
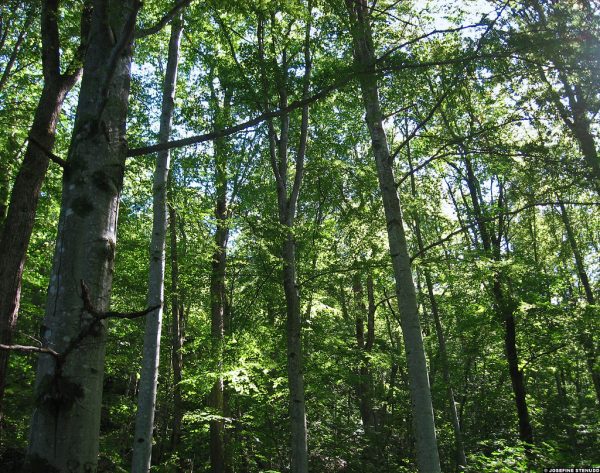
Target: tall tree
422,409
504,302
287,200
142,444
64,431
20,218
587,339
218,289
461,459
176,333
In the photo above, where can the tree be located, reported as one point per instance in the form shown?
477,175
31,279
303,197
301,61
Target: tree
20,218
142,445
65,427
422,409
287,201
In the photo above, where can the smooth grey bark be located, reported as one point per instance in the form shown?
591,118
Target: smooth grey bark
287,200
144,421
420,393
64,433
16,230
461,459
586,340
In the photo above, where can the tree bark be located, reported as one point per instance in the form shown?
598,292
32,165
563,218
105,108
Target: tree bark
18,225
364,387
422,409
218,294
64,433
29,16
461,459
287,200
144,423
177,336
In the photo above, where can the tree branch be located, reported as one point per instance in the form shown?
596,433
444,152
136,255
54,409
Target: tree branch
98,315
489,219
49,154
124,41
29,349
163,21
192,140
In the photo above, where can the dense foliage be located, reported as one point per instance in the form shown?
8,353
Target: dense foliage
490,110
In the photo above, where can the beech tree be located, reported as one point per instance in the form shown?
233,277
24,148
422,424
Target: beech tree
377,222
21,209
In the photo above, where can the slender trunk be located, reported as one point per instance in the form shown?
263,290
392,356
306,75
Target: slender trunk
422,409
461,459
144,422
586,339
65,427
516,376
4,192
218,292
295,359
287,203
177,334
364,387
20,218
365,345
16,48
505,309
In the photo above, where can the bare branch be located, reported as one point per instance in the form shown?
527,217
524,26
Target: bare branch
192,140
98,315
489,219
49,154
30,349
163,21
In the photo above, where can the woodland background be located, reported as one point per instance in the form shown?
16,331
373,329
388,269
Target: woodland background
490,110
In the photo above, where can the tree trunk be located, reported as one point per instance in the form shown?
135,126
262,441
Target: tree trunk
516,375
461,459
295,359
287,201
504,308
586,339
18,225
364,388
218,293
16,48
144,422
177,335
587,144
422,409
64,433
